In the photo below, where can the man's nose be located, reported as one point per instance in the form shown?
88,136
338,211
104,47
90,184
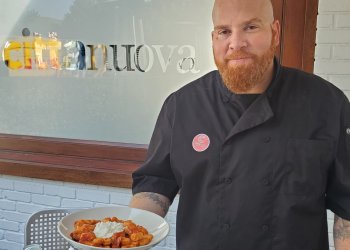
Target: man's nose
237,40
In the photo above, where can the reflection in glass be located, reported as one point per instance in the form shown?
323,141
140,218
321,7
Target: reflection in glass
39,47
75,56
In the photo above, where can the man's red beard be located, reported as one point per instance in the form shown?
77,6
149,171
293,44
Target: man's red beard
242,78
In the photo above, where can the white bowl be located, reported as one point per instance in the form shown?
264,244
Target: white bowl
154,224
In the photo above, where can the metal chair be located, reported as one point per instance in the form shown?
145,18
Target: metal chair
41,228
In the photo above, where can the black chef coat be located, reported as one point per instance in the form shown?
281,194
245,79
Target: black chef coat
265,181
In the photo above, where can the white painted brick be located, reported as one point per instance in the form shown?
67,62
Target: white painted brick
79,185
341,81
330,218
53,201
171,241
171,218
29,207
335,36
120,198
93,195
172,231
162,248
326,77
29,187
330,225
333,5
342,21
331,66
7,205
331,240
6,184
162,243
69,203
2,232
21,227
9,225
174,205
341,52
114,190
15,178
15,237
15,216
324,20
123,190
347,93
97,204
48,182
323,51
16,196
61,191
6,245
330,215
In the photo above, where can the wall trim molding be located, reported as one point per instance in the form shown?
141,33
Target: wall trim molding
298,32
70,160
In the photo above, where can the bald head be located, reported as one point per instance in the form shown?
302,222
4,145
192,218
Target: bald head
264,7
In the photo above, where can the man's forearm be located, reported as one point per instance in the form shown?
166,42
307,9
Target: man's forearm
152,202
341,233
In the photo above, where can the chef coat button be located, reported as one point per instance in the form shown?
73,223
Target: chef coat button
348,131
228,180
226,227
267,139
265,228
266,182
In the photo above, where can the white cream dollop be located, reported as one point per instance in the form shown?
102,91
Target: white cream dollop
107,229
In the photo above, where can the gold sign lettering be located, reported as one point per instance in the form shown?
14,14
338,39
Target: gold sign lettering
10,47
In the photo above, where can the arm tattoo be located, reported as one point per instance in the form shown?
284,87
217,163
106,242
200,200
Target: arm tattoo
341,230
157,199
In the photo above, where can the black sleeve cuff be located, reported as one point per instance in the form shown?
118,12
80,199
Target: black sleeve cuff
155,184
339,210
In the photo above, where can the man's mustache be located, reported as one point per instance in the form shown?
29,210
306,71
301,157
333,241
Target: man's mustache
239,54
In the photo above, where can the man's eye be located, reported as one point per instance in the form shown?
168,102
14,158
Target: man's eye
223,32
251,27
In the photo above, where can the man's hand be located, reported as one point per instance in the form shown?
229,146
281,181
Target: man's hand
341,233
152,202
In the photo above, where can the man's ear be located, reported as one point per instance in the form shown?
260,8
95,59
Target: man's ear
276,31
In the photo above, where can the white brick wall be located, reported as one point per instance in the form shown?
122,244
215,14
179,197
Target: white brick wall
333,43
333,53
21,197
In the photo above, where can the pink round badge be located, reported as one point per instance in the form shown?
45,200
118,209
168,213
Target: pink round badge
200,142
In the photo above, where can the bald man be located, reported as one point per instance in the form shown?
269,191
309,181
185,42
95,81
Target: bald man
257,151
